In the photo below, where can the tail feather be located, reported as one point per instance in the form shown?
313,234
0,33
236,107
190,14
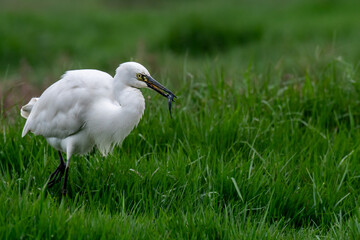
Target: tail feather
26,110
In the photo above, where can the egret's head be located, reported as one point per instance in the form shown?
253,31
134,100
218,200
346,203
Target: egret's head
128,74
136,75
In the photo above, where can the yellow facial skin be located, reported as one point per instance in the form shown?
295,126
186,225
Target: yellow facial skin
142,77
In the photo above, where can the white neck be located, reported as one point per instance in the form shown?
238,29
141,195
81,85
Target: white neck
119,117
131,101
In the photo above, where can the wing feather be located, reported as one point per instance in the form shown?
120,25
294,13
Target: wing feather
61,109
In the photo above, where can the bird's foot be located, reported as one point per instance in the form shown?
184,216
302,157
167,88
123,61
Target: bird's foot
56,175
64,191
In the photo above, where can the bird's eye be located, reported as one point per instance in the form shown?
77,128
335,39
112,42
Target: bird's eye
139,76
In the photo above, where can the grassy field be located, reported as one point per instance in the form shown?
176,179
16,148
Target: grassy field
264,140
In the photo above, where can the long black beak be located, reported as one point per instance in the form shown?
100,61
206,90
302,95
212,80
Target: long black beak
155,85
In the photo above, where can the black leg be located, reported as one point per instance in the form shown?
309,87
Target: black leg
58,173
61,158
63,190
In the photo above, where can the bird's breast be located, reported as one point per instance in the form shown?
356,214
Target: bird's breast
109,121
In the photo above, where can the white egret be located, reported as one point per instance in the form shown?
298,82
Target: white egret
87,108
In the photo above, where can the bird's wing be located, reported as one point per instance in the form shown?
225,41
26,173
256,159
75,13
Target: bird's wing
61,109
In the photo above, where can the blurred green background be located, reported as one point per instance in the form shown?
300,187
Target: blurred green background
39,40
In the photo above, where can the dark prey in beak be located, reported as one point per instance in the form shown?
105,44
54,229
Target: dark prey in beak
155,85
170,100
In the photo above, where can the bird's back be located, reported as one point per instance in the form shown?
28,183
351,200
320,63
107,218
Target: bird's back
61,109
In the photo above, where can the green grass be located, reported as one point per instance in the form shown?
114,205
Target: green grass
263,144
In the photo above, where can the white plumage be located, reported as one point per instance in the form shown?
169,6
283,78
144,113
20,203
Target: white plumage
89,107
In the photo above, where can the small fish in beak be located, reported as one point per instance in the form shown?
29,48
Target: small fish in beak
155,85
170,100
